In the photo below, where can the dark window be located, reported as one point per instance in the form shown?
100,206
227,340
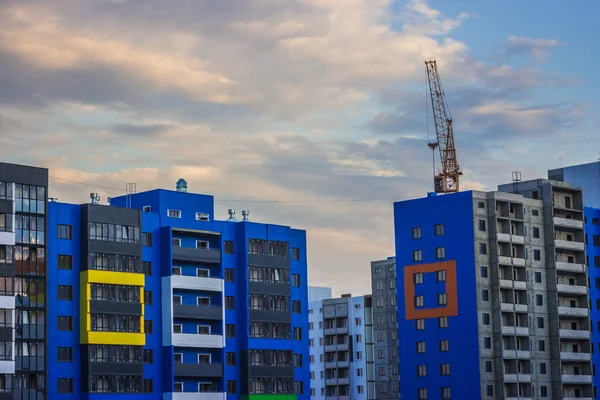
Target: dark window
416,233
535,213
148,386
483,271
482,248
480,204
535,232
596,221
596,240
298,387
485,318
439,229
230,330
65,385
65,292
229,275
487,342
113,232
297,333
228,246
444,369
420,324
541,345
148,356
295,253
65,231
148,326
537,276
295,280
230,302
231,387
146,239
65,262
296,306
65,354
544,391
230,358
148,297
537,255
147,268
444,345
539,300
443,322
481,225
540,322
596,261
297,360
65,323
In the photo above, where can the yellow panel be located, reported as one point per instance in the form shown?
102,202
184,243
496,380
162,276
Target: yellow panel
126,339
115,278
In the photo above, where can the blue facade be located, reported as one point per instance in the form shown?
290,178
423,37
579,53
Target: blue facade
455,213
187,340
586,176
592,231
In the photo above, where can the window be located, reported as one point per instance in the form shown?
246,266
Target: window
444,369
230,330
543,368
230,302
417,255
228,248
358,338
146,209
147,268
295,254
231,387
443,322
65,292
544,391
441,276
422,393
229,275
444,345
442,299
489,390
440,252
298,387
230,358
173,213
146,239
487,342
297,360
202,273
420,324
360,389
418,278
482,248
487,366
202,216
535,232
65,354
416,233
535,213
537,277
297,333
596,221
295,280
541,345
311,342
419,301
421,348
203,301
296,306
148,386
357,321
537,255
359,355
65,262
65,231
178,387
483,271
485,295
203,329
422,370
596,240
485,318
539,300
480,204
439,229
176,270
148,356
202,244
176,242
446,393
148,297
148,326
65,385
65,323
481,225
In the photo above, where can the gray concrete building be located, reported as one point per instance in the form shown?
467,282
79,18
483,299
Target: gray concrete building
385,329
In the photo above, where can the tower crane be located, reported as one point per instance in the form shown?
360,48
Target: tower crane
446,180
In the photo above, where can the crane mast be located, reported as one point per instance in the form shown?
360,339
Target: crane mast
446,180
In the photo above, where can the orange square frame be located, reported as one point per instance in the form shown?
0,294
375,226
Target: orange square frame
451,308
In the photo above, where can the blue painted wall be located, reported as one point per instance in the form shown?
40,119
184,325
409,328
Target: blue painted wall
591,229
455,211
586,176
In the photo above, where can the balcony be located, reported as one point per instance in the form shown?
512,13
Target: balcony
198,370
520,354
576,379
197,340
29,394
576,357
571,289
331,382
519,262
568,223
574,334
331,365
7,367
343,381
573,311
331,347
570,267
198,312
7,238
335,331
259,260
115,307
569,245
521,378
274,371
343,364
515,330
114,368
508,284
505,237
197,283
510,307
212,256
31,363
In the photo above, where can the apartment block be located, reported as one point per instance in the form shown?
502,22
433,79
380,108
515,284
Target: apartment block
385,328
147,297
341,348
504,270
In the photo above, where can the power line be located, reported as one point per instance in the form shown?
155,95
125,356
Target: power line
251,201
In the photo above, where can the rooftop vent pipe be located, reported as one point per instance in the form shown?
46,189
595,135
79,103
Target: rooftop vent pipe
245,214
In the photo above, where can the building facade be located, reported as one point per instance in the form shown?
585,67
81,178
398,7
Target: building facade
385,329
341,348
148,297
505,270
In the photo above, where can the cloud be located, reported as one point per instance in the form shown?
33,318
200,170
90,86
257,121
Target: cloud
141,130
517,45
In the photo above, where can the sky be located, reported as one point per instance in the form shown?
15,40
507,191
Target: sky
281,106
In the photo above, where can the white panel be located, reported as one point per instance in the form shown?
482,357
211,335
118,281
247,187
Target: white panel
194,396
197,283
195,340
7,367
167,310
7,302
7,238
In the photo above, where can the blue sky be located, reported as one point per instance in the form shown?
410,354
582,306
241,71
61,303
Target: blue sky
292,100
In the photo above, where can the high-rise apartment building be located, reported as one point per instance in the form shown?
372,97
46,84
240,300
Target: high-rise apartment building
148,297
385,328
493,294
341,348
23,299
